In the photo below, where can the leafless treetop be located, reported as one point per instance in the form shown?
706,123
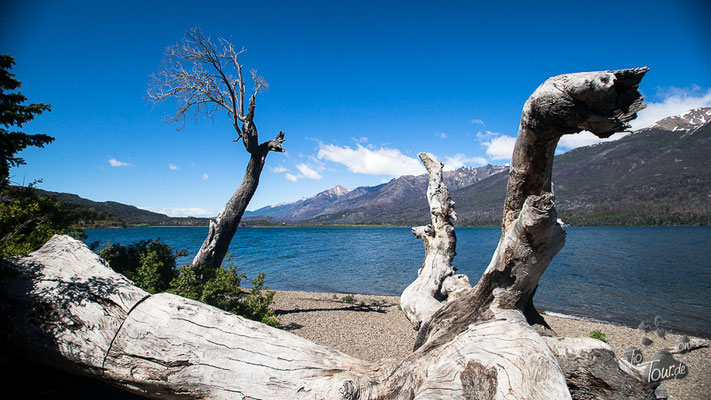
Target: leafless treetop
204,78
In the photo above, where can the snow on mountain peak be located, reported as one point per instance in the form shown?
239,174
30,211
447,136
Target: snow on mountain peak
339,190
691,119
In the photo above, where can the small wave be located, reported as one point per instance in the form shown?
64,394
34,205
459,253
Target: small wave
561,315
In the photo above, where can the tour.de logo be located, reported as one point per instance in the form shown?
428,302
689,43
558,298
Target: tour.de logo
662,365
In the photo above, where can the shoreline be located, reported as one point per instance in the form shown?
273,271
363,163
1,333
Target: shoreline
371,328
546,311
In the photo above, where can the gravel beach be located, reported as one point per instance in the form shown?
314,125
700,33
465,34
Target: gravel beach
373,327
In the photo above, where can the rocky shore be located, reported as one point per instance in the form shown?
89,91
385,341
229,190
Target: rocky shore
373,327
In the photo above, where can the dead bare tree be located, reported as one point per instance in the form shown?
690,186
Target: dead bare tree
205,78
68,309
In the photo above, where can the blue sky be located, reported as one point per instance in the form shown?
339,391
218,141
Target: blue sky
349,81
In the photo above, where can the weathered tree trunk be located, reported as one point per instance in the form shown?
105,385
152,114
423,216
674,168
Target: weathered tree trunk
200,75
223,228
72,311
436,281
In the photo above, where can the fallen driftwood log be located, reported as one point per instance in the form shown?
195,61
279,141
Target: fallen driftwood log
67,308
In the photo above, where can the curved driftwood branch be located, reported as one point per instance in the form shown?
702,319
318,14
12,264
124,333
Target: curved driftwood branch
602,102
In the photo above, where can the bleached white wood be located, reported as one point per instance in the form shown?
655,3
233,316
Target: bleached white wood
67,304
435,279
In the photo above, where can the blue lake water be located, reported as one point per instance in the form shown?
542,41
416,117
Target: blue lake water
616,274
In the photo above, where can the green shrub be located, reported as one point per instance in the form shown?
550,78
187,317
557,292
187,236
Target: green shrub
598,335
220,287
348,299
186,284
150,264
258,301
28,221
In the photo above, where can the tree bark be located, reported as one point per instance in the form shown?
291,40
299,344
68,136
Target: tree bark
70,310
436,281
223,228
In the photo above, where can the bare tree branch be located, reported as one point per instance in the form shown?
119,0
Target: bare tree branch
205,77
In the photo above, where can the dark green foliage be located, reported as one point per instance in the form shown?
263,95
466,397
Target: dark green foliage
151,265
186,283
349,298
220,287
27,221
14,114
258,302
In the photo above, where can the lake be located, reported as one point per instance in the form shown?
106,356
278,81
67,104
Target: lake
616,274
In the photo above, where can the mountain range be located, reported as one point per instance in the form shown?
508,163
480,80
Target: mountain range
658,175
339,199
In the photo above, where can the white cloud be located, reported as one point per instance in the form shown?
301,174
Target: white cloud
279,169
308,172
676,102
372,161
477,121
183,212
486,135
585,138
500,147
305,171
441,135
204,177
460,160
173,167
116,163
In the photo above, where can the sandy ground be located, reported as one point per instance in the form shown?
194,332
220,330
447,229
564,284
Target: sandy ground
373,327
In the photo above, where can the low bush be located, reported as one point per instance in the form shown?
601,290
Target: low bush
598,335
27,221
151,265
